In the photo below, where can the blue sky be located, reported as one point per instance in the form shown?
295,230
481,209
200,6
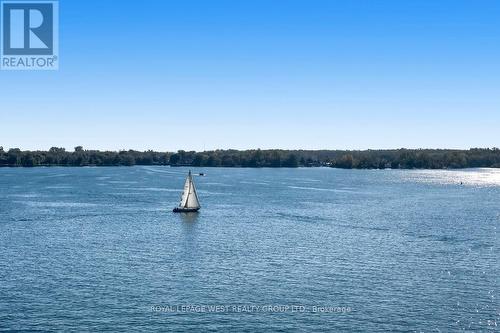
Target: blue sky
310,74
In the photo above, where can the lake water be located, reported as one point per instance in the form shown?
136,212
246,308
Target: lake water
98,249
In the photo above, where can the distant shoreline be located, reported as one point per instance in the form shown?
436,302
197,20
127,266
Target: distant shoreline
225,167
273,158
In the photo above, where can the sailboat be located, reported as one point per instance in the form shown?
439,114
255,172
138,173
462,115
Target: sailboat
189,200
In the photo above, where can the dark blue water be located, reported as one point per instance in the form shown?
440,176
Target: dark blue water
98,249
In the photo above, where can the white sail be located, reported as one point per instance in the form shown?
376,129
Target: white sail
189,197
185,193
192,201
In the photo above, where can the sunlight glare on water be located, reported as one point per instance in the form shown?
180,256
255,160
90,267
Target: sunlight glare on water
483,177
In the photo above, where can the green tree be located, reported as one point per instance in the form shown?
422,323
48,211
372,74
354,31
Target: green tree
291,161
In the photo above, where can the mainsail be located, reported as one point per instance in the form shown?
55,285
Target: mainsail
189,199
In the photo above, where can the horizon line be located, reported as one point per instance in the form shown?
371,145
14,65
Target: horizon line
244,149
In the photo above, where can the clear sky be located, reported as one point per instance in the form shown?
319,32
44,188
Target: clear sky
310,74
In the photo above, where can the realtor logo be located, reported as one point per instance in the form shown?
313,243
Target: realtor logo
29,35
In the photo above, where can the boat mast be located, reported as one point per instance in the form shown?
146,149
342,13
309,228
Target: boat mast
189,189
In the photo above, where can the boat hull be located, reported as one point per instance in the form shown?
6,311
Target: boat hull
185,210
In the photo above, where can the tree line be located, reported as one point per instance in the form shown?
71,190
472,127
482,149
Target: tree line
274,158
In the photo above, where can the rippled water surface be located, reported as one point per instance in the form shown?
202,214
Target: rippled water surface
94,249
